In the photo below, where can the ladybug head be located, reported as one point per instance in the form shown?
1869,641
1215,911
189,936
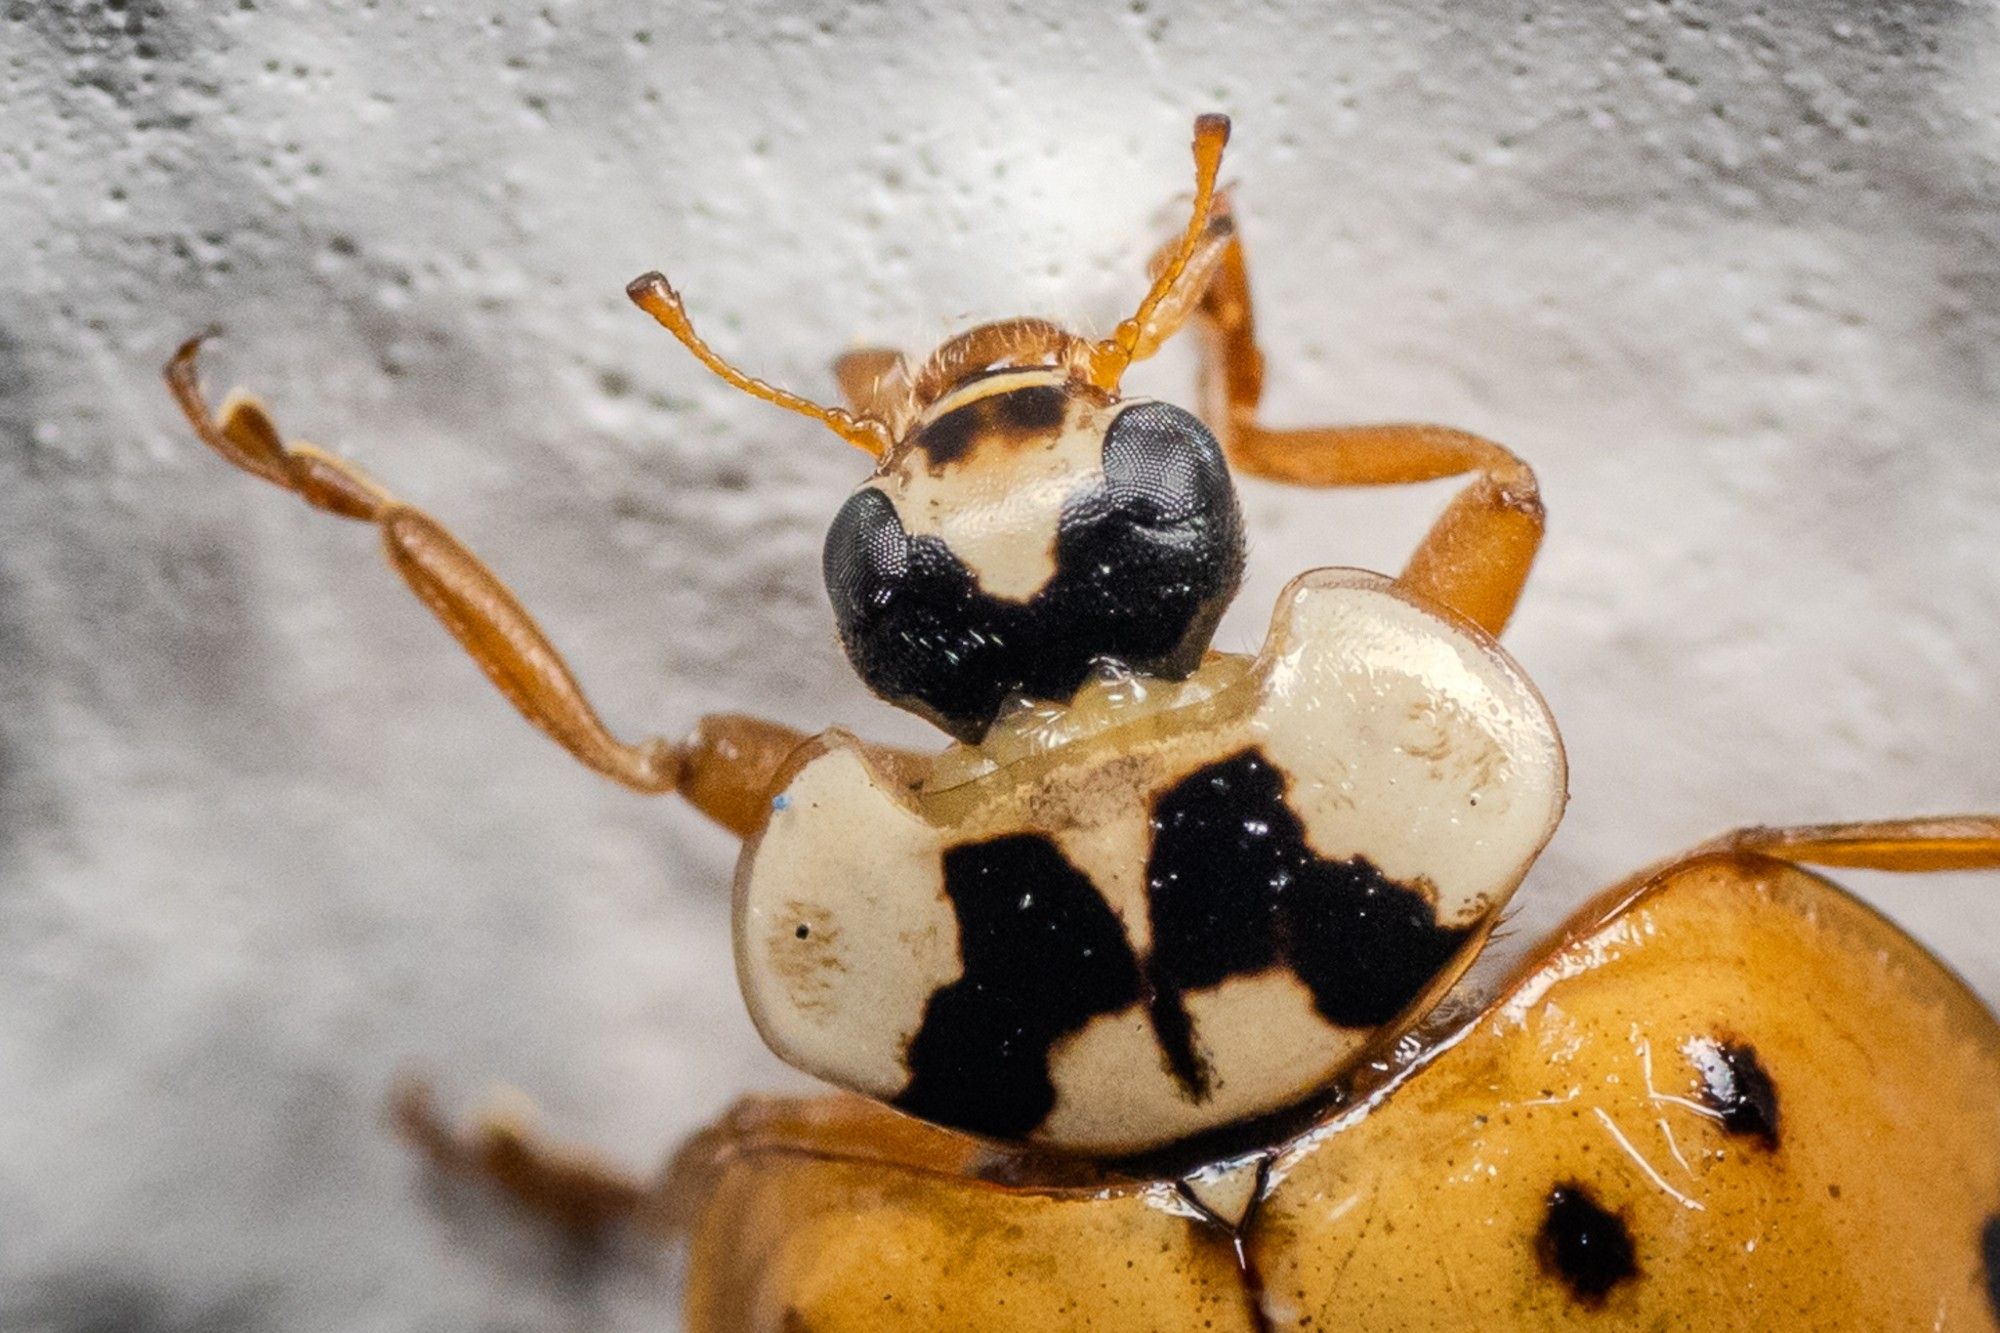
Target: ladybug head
1024,525
1028,528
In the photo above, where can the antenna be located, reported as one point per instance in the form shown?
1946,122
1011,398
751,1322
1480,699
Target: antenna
653,294
1109,358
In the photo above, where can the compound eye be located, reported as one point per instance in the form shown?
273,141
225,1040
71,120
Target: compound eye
1163,469
866,560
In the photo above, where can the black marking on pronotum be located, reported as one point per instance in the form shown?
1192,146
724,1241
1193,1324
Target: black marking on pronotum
1234,888
1175,1032
1146,561
1736,1088
1035,410
1587,1247
1043,955
1989,1249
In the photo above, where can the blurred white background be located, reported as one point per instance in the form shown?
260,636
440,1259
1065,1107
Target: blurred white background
1727,273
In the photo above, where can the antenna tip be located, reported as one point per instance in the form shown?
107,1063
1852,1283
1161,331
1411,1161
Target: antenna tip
650,287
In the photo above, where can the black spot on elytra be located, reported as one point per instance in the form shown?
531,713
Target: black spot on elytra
1234,888
1043,955
1587,1247
1989,1249
1146,561
1737,1089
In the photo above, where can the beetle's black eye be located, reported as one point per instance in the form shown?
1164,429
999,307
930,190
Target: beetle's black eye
1163,468
867,557
1146,554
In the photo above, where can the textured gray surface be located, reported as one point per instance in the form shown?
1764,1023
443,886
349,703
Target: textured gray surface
1730,276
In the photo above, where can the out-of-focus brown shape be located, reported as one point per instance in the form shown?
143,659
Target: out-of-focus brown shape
575,1191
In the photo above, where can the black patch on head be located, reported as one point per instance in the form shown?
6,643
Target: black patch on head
1035,410
1737,1089
1233,889
1585,1246
1989,1249
1146,562
1043,955
946,440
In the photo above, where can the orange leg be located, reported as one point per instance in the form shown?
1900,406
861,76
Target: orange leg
731,761
1954,842
575,1191
725,768
1476,556
584,1196
1909,846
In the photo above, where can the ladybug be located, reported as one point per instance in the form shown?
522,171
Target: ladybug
1134,988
